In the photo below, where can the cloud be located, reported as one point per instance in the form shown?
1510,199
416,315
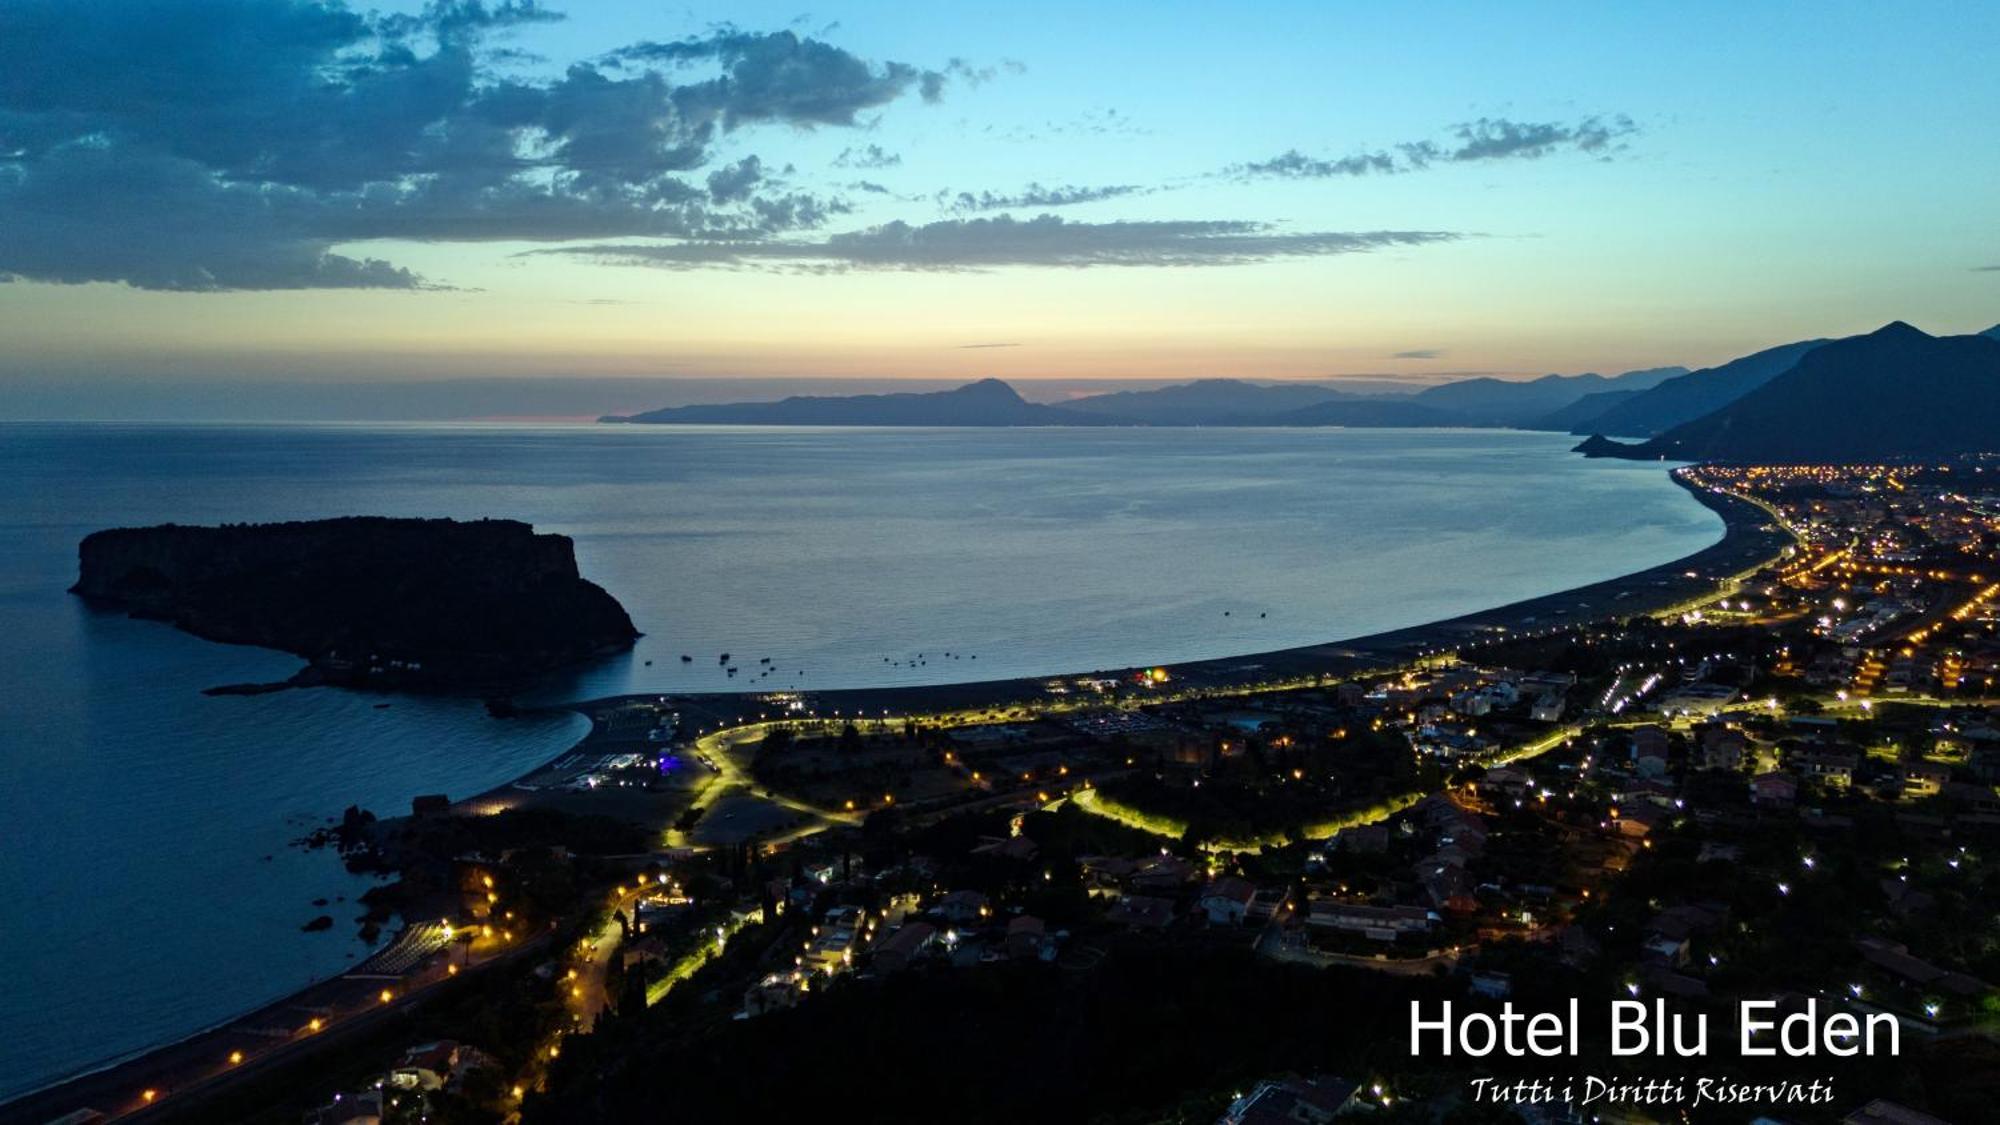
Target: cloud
1090,123
867,156
778,76
974,346
1294,164
233,144
1986,269
1500,139
1035,196
91,213
976,76
732,183
1486,139
1419,353
1044,241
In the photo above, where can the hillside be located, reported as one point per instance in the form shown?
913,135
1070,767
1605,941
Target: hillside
1894,393
1486,401
1687,397
1582,411
1206,402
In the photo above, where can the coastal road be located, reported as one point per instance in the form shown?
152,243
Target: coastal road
1271,943
174,1082
729,752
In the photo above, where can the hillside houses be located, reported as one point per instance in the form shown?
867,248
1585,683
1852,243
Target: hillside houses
1226,901
1379,923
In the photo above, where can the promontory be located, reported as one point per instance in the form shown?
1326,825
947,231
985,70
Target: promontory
420,603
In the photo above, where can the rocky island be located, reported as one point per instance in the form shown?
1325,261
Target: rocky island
432,604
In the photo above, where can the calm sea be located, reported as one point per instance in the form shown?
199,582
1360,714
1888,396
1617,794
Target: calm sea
148,886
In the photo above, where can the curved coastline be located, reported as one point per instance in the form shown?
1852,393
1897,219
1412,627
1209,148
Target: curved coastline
1751,538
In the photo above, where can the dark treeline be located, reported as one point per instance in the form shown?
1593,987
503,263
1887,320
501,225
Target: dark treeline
1124,1042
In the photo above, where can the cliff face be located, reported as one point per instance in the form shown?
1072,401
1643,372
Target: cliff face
393,602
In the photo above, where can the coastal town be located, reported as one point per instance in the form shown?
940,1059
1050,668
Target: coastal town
999,564
1770,774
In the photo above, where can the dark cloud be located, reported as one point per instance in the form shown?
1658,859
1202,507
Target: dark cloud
1045,241
1986,269
230,144
777,76
732,183
1500,139
1486,139
1297,165
867,156
1419,353
92,213
1034,196
457,19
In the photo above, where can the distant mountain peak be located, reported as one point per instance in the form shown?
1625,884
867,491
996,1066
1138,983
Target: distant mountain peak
1686,396
990,388
987,402
1896,392
1204,402
1488,401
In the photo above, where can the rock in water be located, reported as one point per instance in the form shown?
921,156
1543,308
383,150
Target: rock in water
438,604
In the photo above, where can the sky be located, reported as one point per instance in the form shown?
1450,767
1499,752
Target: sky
273,194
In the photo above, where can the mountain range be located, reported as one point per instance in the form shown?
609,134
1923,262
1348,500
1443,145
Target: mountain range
988,402
1498,402
1685,398
1894,392
1204,402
